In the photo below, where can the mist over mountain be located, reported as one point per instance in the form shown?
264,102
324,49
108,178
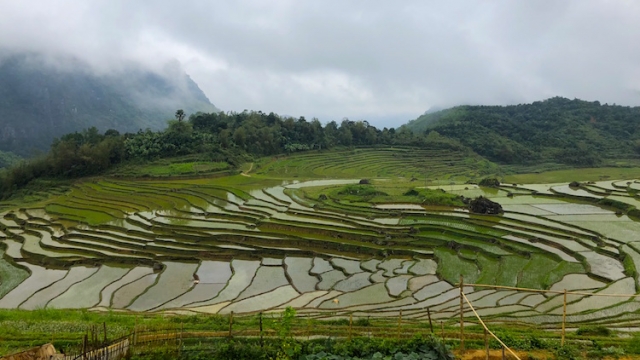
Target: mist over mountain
42,97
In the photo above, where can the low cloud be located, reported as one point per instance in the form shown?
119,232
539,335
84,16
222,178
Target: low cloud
376,60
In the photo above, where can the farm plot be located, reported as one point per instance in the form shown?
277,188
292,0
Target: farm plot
207,246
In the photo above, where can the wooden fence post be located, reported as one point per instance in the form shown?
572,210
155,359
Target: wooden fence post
399,324
350,325
461,314
230,324
135,332
430,323
564,316
261,338
503,357
486,343
84,346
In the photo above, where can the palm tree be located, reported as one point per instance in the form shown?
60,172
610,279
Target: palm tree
179,114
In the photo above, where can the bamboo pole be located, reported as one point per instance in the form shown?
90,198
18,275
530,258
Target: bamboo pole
399,324
442,328
430,323
564,317
461,314
230,324
487,329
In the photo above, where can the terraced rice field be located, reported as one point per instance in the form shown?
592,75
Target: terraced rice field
207,246
378,163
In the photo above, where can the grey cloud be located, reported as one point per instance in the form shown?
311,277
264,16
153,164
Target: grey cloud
382,60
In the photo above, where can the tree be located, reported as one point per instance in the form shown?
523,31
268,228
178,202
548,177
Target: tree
179,114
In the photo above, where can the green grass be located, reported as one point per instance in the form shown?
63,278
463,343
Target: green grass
91,217
399,190
489,269
536,274
10,275
376,163
20,330
192,218
569,175
563,269
510,269
170,167
451,266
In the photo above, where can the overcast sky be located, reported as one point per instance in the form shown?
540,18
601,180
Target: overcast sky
385,61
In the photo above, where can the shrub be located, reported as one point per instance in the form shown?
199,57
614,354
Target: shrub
593,331
491,182
568,353
633,346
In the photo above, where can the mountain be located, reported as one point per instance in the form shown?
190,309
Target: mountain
573,132
43,98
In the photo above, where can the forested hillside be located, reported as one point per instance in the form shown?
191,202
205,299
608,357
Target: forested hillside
233,138
573,132
41,98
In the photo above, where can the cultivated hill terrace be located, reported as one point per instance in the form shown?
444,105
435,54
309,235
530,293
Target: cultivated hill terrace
251,212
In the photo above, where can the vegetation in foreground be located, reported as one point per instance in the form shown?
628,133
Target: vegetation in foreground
286,336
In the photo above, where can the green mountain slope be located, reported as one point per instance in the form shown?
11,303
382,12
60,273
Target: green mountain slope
40,100
572,132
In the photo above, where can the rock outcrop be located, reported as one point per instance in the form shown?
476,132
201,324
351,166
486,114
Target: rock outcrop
482,205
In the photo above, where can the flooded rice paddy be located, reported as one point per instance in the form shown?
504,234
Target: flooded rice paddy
203,247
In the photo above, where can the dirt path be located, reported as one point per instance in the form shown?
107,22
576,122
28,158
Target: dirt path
246,173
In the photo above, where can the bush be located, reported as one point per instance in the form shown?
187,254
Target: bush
567,353
364,348
360,192
593,331
490,182
412,192
362,322
633,346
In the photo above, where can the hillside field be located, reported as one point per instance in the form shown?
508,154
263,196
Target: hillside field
302,231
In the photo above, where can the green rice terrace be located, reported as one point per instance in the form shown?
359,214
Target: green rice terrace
308,233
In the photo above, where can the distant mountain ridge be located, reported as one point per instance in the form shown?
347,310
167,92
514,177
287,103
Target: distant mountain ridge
573,132
40,101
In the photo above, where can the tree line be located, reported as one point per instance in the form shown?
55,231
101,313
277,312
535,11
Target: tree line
233,137
572,132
